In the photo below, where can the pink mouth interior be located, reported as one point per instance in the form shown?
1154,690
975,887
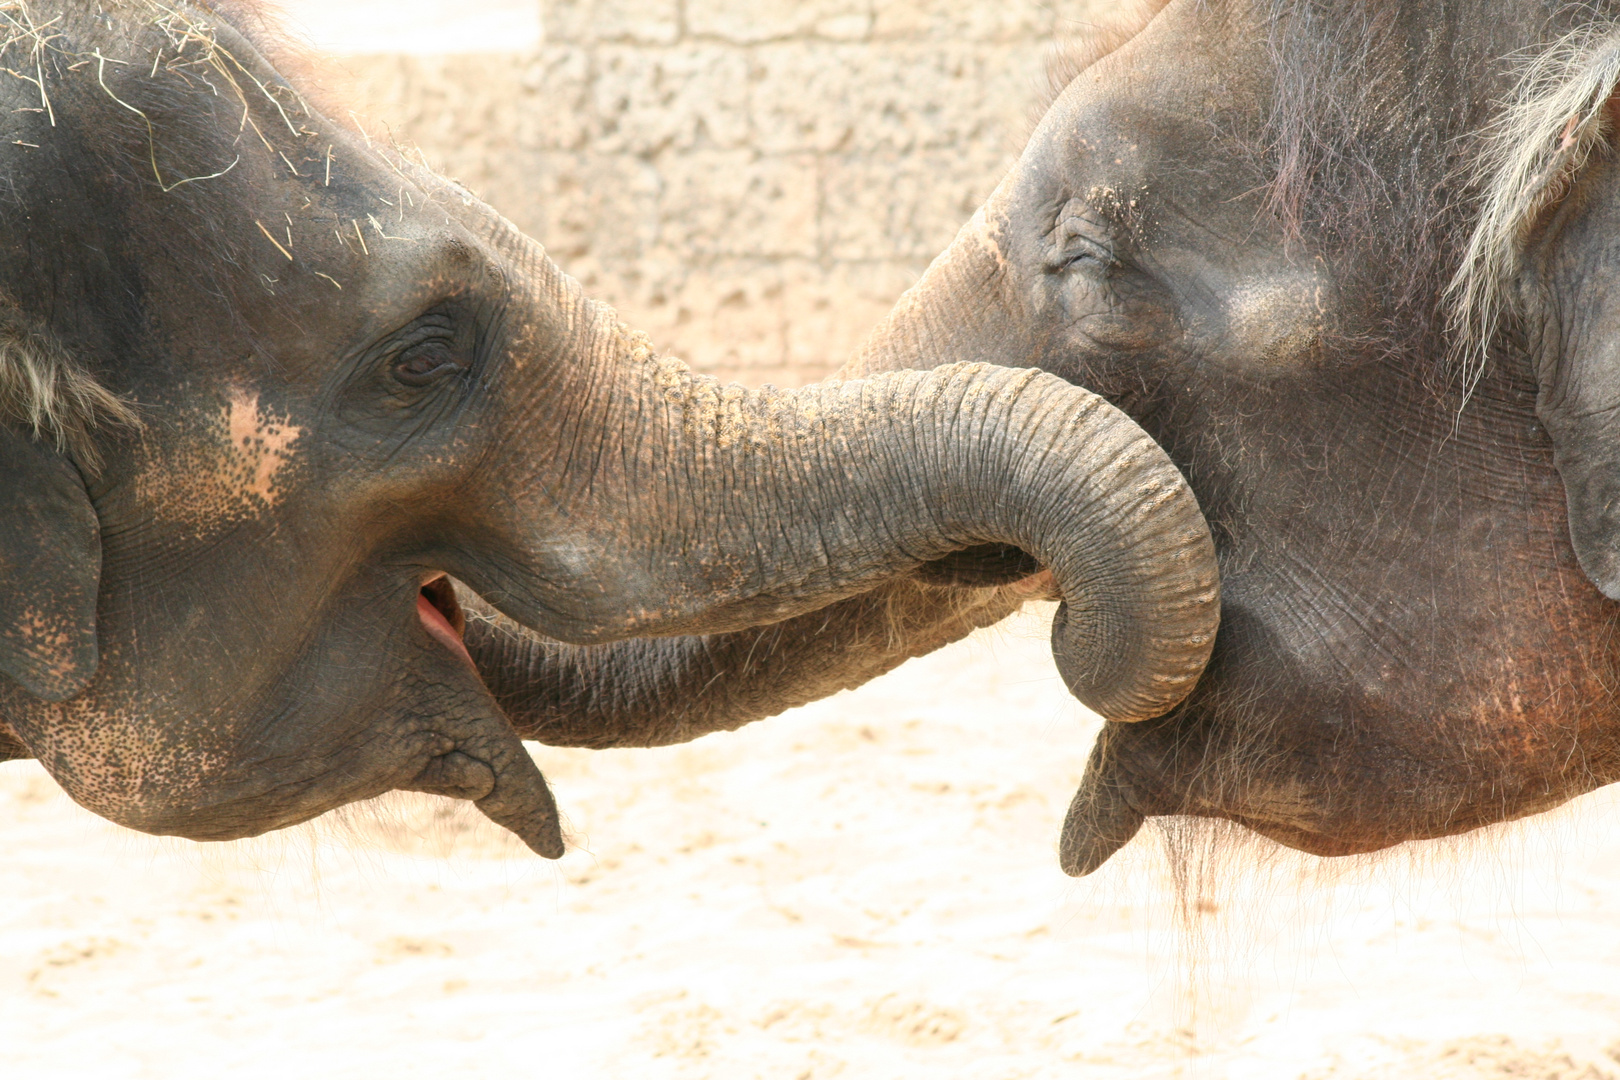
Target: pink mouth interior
435,595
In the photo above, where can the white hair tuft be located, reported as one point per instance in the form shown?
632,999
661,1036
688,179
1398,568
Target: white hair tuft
45,391
1550,128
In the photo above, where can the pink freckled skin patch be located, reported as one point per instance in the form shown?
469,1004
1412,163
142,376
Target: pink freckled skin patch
263,443
231,465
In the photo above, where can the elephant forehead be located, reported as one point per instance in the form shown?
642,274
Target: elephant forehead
232,463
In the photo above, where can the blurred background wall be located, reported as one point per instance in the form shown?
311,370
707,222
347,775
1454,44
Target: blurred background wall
752,182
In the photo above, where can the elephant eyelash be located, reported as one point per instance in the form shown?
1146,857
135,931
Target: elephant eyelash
1077,252
436,333
426,363
1078,241
1087,252
429,328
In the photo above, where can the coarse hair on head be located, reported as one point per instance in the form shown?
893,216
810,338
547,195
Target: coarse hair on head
1555,120
46,394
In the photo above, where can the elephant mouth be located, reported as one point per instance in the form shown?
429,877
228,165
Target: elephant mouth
441,616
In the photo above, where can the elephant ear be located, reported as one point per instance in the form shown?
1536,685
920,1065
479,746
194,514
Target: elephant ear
1571,297
1546,250
50,570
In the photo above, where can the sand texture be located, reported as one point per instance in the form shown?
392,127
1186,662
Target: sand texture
866,888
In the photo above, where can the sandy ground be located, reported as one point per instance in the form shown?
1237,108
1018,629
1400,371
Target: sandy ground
866,888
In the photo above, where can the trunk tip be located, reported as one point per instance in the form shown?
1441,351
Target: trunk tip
1126,670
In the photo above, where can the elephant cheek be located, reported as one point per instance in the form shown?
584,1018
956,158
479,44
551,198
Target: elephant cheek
1276,323
428,724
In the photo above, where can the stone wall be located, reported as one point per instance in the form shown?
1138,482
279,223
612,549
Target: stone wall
753,182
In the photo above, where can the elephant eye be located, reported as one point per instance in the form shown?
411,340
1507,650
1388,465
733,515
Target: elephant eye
1081,253
425,364
1080,242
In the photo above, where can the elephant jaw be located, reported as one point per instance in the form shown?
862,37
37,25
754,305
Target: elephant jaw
441,616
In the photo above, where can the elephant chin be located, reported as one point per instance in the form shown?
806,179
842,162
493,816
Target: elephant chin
1131,777
497,776
430,724
1594,518
1180,766
11,744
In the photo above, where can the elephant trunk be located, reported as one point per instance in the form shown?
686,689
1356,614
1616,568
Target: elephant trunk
734,508
666,690
660,690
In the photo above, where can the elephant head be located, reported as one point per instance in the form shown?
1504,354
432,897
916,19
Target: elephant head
1239,226
268,387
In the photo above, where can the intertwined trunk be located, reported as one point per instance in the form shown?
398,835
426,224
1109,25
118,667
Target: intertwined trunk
711,509
661,691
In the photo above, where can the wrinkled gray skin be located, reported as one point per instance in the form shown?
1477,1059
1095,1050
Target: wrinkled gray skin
1238,227
354,379
1569,285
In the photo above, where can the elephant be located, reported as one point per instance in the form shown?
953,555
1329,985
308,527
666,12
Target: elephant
1348,262
271,391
